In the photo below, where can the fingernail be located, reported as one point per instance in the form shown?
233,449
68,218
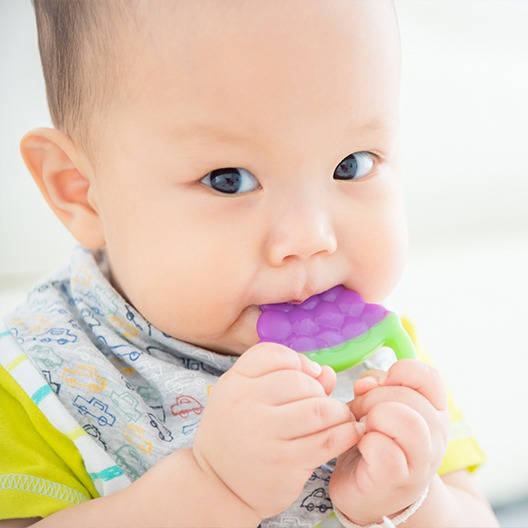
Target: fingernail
360,428
370,379
382,379
315,368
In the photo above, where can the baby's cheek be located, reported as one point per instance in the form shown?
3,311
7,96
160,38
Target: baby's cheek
388,257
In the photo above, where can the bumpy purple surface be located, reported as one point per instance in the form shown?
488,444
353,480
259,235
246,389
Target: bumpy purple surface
322,321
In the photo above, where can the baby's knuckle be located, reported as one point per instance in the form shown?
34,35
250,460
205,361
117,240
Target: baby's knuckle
338,439
414,422
309,386
320,411
393,461
330,442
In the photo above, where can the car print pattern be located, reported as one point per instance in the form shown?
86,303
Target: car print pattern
138,393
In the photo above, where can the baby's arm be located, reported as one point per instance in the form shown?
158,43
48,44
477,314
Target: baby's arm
406,419
175,492
251,456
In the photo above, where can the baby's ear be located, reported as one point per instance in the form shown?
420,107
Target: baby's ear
64,177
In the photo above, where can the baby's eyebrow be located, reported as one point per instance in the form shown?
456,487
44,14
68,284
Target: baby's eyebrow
374,125
209,131
206,131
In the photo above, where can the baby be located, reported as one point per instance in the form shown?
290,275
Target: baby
210,157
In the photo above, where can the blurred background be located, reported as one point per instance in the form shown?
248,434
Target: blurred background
465,146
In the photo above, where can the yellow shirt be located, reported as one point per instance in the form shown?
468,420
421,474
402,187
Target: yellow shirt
41,470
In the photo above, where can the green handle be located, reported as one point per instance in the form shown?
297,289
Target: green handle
389,332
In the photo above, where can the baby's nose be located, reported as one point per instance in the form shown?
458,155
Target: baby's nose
301,231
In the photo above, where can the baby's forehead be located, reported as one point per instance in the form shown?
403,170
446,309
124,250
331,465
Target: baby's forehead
261,67
186,21
200,33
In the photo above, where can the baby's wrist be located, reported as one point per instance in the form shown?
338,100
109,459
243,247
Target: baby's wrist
239,509
386,521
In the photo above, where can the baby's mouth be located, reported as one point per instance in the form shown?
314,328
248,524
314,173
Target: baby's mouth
300,297
296,301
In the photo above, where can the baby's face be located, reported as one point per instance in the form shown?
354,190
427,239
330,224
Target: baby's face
221,185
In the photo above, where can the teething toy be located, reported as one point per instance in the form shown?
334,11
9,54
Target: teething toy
336,328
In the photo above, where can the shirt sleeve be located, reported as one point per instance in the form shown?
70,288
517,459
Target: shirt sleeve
41,470
463,450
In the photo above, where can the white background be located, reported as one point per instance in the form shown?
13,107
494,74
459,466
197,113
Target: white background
465,142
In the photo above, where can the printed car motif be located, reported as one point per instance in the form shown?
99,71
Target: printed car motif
190,428
90,319
95,408
182,379
317,499
46,356
131,316
130,460
123,326
126,351
315,476
163,433
153,399
61,336
127,405
123,367
35,323
55,387
95,433
150,372
83,277
135,436
122,351
107,299
84,376
194,364
289,522
184,405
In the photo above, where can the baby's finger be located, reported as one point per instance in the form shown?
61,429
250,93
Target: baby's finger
310,416
319,448
420,377
286,386
409,430
310,367
328,379
264,358
382,462
362,405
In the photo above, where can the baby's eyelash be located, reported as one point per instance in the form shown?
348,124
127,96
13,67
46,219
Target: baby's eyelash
355,166
231,180
237,180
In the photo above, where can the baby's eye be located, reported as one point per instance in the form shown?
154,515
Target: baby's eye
231,180
355,166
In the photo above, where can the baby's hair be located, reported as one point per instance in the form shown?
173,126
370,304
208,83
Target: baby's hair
78,43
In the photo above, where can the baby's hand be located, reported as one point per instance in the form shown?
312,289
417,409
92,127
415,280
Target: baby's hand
268,423
406,419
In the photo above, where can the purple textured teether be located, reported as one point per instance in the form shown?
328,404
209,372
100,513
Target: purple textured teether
336,328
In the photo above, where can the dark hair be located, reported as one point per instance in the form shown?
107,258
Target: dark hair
78,46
